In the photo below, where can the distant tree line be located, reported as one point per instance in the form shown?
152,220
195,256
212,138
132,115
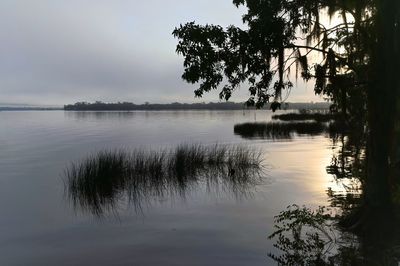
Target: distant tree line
128,106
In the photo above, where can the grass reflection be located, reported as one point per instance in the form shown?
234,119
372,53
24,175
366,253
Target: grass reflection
101,181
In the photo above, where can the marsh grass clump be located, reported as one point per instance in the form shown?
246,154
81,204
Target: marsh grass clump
100,181
278,130
104,179
304,116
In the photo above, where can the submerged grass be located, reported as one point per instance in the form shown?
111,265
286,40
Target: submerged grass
100,181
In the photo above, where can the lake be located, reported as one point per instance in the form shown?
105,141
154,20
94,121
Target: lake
40,226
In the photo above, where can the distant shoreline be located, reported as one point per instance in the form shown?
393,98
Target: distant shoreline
100,106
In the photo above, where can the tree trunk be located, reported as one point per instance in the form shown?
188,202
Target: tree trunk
377,188
382,94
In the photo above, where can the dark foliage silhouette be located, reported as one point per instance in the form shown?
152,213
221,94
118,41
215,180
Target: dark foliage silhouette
357,70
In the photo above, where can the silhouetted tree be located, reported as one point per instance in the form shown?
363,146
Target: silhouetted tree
355,62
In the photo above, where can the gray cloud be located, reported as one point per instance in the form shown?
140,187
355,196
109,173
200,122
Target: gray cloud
56,52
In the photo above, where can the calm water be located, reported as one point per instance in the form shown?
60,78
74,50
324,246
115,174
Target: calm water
39,226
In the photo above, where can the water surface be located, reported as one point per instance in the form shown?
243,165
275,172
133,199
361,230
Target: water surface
39,226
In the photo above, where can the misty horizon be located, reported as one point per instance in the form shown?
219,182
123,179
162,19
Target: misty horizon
64,52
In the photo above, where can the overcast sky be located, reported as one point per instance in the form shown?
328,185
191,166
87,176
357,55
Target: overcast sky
54,52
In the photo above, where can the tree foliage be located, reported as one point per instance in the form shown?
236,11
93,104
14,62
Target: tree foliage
349,48
280,36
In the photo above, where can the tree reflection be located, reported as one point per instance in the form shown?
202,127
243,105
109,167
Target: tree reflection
308,237
359,238
305,236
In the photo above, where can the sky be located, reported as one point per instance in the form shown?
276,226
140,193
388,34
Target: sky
55,52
